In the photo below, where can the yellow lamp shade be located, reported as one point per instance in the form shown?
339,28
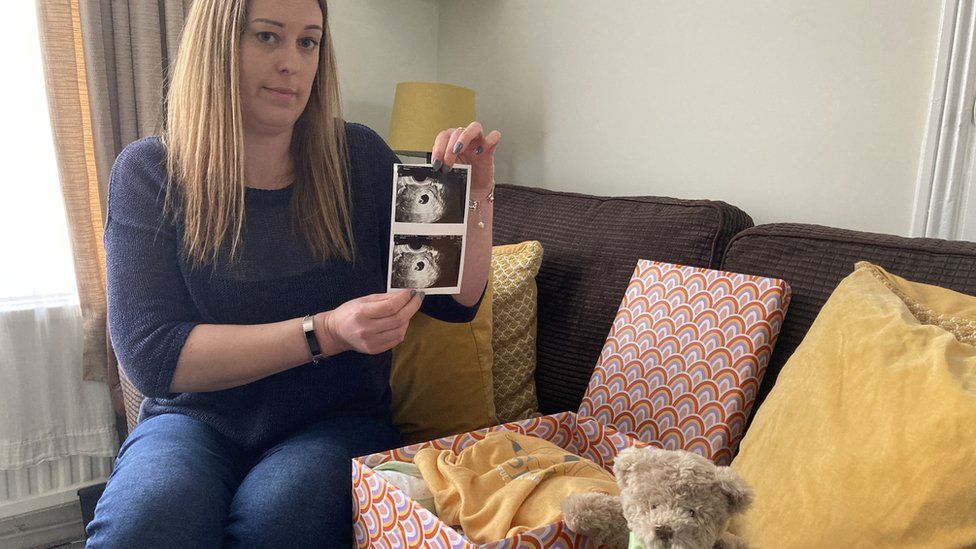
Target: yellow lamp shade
421,110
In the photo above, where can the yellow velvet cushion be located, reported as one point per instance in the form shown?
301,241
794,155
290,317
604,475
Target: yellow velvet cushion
441,377
514,268
868,438
451,378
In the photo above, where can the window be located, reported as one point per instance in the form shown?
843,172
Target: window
35,253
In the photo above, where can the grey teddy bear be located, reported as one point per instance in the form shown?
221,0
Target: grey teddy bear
668,499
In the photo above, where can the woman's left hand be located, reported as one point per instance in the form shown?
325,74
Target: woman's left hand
468,146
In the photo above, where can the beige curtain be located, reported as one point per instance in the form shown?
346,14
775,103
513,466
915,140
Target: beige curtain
104,63
128,46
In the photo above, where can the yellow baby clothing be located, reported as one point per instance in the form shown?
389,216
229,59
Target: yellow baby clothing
507,483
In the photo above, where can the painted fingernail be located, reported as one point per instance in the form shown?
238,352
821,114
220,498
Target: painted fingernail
445,168
458,146
437,165
413,293
422,295
479,150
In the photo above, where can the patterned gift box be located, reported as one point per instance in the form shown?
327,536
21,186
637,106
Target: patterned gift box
384,517
685,356
680,369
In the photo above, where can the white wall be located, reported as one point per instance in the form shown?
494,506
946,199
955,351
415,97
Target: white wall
794,111
379,43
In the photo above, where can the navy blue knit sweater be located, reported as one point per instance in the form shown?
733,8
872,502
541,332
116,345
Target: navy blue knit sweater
155,299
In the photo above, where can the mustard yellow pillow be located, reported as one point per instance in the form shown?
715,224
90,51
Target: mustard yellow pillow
514,309
441,376
868,438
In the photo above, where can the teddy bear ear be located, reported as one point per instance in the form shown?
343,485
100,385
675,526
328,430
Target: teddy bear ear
625,462
735,489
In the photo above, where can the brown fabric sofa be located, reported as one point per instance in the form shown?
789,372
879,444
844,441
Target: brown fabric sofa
592,244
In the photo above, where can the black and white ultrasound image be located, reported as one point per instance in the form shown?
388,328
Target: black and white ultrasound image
425,261
424,195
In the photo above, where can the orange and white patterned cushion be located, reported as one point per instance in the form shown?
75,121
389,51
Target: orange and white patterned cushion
682,364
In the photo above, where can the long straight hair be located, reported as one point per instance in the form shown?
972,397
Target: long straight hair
204,137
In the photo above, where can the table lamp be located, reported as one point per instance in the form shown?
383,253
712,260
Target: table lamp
422,109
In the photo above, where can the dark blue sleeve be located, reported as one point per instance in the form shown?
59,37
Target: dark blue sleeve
366,145
149,308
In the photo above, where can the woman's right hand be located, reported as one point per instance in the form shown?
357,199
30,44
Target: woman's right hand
370,324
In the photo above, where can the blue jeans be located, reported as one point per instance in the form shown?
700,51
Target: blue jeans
179,483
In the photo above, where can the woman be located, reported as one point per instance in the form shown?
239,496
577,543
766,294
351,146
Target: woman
257,208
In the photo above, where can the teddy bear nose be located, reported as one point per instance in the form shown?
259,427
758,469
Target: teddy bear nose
664,532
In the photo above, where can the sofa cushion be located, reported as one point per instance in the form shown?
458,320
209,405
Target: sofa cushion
441,376
867,435
813,260
592,245
514,268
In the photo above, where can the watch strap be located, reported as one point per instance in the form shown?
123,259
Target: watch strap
313,344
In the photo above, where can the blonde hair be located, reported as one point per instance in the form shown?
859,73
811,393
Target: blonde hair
204,137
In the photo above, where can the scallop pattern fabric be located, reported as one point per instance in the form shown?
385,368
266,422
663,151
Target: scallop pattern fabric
686,353
514,296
